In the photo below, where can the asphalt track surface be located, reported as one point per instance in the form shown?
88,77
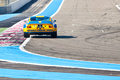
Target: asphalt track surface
61,38
87,30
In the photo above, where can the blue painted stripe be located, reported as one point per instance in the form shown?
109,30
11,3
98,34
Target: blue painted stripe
7,16
13,53
12,73
51,9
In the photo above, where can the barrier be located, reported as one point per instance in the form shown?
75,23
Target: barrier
12,6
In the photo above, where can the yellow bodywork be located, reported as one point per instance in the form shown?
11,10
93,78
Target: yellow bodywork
40,25
44,28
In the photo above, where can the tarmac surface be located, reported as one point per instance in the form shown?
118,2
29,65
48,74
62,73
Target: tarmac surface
87,30
20,66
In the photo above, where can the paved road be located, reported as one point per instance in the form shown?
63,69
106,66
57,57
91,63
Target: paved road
82,30
20,66
87,30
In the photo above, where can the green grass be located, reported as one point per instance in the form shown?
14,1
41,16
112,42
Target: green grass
2,29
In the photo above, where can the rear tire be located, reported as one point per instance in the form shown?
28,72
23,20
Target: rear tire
54,35
26,35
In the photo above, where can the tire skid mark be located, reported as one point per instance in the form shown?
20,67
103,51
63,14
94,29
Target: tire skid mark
14,37
96,37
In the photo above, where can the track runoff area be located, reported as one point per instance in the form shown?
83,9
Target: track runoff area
15,55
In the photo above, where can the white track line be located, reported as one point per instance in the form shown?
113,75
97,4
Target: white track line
44,8
28,39
117,6
58,9
59,66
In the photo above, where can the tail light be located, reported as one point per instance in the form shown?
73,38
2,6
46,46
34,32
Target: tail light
50,26
29,27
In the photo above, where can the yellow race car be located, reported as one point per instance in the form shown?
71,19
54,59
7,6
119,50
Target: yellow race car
40,25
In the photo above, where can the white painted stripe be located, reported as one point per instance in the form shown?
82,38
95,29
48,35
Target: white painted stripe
28,39
117,7
24,44
44,8
59,66
58,9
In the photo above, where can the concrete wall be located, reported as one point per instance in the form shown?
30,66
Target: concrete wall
18,4
13,6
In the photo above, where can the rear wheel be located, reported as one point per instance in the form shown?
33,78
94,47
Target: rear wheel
26,35
54,35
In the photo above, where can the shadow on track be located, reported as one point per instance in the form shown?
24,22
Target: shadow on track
26,7
58,37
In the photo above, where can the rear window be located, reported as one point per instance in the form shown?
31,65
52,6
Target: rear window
33,19
39,18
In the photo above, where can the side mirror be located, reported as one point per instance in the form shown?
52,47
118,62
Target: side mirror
55,25
54,20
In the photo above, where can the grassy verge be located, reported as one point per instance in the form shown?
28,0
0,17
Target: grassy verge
2,29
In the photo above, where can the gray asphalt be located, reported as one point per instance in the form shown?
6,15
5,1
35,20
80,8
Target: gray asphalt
19,66
88,30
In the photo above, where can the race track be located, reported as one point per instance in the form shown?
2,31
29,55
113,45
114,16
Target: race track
88,33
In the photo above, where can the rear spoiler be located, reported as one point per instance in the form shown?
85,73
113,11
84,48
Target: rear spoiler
39,22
